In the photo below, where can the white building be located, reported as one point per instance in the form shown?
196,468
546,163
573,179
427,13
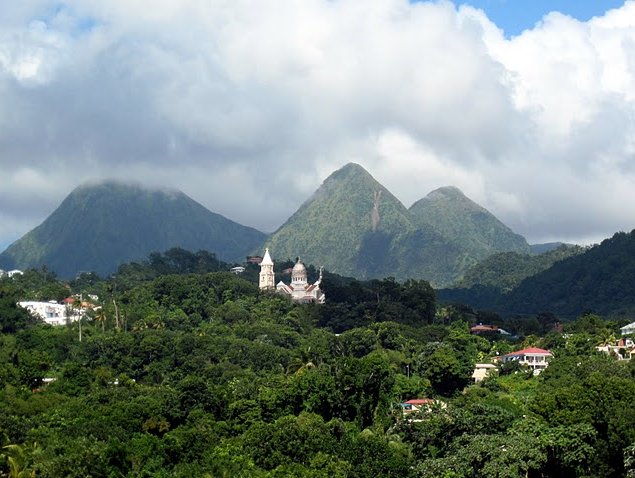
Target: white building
15,272
299,290
628,329
482,370
533,357
51,312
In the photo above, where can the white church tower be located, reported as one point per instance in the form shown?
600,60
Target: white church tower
266,272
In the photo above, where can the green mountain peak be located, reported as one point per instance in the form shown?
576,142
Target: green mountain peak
466,224
347,225
101,225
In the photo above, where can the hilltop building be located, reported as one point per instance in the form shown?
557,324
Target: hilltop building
533,357
51,312
622,349
628,329
299,290
483,329
13,273
482,371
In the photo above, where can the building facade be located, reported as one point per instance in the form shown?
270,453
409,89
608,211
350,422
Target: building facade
51,312
299,290
533,357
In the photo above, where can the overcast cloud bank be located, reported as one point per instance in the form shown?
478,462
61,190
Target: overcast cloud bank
247,106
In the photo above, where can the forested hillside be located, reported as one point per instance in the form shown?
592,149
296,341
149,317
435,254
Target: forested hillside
505,270
470,227
354,226
185,370
600,280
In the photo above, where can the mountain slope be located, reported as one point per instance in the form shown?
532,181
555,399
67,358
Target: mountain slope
354,226
601,280
470,227
505,270
348,225
98,227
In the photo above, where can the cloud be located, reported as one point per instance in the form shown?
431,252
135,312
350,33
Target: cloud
248,105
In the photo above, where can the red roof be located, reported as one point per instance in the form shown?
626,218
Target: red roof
484,328
532,351
419,401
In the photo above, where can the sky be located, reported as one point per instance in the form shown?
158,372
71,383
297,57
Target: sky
248,105
516,16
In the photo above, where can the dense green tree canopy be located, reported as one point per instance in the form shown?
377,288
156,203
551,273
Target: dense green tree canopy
184,370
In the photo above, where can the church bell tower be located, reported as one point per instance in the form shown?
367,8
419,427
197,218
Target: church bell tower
266,272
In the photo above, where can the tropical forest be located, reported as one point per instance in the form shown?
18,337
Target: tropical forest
179,368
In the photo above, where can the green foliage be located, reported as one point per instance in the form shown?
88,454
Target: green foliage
505,270
600,280
12,317
202,375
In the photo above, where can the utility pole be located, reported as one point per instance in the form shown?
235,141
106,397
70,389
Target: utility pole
79,311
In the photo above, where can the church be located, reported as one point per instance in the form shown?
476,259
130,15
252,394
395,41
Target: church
299,290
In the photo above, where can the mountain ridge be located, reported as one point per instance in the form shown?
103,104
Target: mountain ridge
351,224
355,226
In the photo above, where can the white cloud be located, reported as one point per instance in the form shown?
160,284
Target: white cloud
248,105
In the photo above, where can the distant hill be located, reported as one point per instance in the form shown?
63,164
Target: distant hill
547,246
354,226
506,270
97,227
600,280
470,227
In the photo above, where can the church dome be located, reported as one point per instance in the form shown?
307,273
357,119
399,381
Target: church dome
298,274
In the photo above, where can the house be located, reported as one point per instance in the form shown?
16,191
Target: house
417,406
622,349
483,329
15,272
482,370
254,260
237,270
51,312
533,357
628,329
299,290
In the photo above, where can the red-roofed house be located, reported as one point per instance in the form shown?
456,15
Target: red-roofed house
533,357
484,328
421,405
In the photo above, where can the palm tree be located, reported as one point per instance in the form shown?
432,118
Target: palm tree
299,365
100,316
16,458
77,306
